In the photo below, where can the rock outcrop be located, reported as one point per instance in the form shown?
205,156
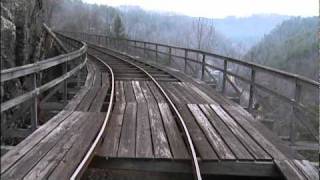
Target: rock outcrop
21,31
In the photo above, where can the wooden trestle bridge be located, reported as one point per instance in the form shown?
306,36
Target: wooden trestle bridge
133,111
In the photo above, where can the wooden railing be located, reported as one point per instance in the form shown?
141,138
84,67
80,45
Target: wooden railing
77,56
246,74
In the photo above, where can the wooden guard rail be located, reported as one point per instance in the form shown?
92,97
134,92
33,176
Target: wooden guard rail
204,60
79,55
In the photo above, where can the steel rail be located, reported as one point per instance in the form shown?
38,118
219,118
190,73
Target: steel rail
196,168
90,153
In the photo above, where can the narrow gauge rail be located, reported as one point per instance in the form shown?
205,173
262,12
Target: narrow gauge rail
90,153
116,61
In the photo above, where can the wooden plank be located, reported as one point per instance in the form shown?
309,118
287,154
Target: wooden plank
159,139
246,120
129,92
202,145
26,145
143,141
195,97
104,79
99,99
248,142
307,169
73,157
120,96
110,145
177,145
31,158
288,170
49,162
128,131
201,93
74,103
156,93
88,99
235,145
214,138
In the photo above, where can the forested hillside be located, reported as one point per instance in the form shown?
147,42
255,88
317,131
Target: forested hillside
291,46
230,36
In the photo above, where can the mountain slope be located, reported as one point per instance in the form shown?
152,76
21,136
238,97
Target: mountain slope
291,46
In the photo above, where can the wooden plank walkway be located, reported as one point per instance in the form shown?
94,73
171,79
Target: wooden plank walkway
142,125
55,149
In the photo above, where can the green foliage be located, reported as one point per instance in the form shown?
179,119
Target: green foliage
118,28
291,46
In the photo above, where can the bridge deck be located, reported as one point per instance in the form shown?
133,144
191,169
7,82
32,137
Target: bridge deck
143,135
228,140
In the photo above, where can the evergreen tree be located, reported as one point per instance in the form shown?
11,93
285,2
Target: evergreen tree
118,27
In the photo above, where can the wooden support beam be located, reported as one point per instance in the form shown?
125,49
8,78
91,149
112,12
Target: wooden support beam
230,168
57,40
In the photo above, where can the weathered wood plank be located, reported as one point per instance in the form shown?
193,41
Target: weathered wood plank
156,93
73,157
120,96
289,171
242,118
189,92
98,101
88,99
48,163
26,145
249,143
143,141
214,138
202,145
31,158
104,79
177,145
110,145
128,132
238,149
159,139
201,93
129,92
307,169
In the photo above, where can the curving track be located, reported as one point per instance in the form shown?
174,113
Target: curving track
121,68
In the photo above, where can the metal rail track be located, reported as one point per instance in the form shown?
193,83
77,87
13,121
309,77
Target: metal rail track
195,164
90,153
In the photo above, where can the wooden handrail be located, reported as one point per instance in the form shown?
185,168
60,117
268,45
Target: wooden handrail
29,69
229,59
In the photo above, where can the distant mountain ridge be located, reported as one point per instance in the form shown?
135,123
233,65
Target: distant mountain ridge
245,30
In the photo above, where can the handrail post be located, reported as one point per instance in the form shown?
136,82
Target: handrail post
225,66
65,84
203,66
144,49
34,109
252,89
170,55
185,60
156,52
127,44
297,97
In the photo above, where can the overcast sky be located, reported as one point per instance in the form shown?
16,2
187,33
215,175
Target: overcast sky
223,8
